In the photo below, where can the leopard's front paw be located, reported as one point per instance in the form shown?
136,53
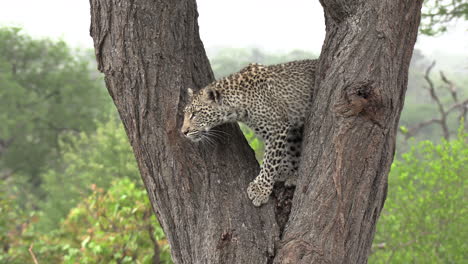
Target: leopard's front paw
258,193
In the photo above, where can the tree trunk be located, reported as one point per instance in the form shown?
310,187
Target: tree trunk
361,80
150,53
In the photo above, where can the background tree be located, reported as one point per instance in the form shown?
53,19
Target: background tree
438,13
39,80
99,159
444,117
150,52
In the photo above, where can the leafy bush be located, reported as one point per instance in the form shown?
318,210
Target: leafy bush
116,226
13,223
424,218
98,159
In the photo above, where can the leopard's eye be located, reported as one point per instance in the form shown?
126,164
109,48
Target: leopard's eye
192,115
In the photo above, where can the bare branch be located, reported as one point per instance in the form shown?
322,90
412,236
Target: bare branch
450,87
461,105
442,120
431,87
413,130
32,254
435,98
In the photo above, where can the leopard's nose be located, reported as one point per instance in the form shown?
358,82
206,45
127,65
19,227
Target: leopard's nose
185,131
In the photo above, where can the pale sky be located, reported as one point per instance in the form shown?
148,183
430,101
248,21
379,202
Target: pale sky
273,25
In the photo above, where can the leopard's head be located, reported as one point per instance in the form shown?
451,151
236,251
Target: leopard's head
204,111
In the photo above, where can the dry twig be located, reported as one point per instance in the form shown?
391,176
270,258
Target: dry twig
32,254
443,112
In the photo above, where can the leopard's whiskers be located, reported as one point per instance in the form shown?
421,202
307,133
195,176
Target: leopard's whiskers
220,132
205,138
214,135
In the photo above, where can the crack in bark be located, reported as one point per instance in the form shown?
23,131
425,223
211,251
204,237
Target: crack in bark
283,202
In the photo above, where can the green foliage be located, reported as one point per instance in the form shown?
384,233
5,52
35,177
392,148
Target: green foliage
116,226
438,13
424,218
255,142
47,92
12,224
87,159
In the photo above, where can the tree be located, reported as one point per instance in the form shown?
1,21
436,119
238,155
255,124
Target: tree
150,52
97,159
438,13
47,91
443,108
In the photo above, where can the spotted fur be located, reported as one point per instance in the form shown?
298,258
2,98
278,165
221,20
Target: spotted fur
273,101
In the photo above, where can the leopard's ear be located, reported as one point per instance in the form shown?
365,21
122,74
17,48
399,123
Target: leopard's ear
190,93
214,96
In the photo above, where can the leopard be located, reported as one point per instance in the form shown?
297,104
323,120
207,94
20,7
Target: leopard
273,100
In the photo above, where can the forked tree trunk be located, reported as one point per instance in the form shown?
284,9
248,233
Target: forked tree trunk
150,52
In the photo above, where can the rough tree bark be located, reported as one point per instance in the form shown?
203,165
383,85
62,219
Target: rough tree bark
150,53
362,80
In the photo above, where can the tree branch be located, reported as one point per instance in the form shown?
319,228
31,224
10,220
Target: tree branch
450,86
33,256
415,129
435,98
431,88
442,120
